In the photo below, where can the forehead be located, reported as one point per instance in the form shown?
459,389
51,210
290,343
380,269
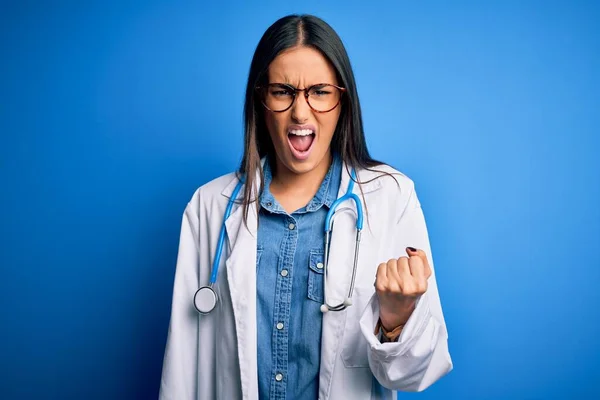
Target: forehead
301,66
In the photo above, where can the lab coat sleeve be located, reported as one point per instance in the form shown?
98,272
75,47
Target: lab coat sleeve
420,356
179,373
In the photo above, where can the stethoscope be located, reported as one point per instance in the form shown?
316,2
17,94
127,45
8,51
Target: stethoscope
205,299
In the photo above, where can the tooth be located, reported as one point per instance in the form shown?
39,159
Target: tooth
301,132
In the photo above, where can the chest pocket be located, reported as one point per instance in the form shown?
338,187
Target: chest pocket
315,275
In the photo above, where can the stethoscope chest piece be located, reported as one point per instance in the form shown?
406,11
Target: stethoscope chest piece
205,299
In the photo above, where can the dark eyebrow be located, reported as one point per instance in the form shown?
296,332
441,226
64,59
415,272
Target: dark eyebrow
287,81
281,84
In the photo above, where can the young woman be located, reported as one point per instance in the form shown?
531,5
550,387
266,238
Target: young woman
277,318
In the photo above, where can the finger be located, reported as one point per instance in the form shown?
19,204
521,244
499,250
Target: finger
404,268
408,281
411,251
417,268
381,279
394,278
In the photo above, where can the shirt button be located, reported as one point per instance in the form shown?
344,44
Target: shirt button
279,377
284,272
320,265
291,226
280,326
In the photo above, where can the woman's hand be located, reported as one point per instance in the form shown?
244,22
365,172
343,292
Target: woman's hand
399,284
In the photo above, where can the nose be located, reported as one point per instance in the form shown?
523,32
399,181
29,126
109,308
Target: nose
300,109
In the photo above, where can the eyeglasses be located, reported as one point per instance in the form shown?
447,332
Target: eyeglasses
321,98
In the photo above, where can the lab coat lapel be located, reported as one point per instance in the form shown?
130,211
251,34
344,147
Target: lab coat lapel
241,275
339,274
339,266
341,254
341,259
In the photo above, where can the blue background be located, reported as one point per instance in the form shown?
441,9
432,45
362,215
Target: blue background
112,114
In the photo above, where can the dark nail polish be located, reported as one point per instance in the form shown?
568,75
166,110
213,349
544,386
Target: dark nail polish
412,249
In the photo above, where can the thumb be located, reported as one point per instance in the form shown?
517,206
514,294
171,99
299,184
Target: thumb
411,251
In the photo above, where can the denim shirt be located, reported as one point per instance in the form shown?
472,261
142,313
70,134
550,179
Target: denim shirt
290,290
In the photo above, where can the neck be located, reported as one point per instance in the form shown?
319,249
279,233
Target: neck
286,181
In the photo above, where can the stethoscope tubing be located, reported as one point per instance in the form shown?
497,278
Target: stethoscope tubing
329,221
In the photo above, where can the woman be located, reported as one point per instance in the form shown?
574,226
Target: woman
270,335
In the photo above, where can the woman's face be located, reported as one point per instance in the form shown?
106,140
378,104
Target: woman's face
298,150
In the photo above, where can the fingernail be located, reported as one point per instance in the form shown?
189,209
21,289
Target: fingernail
412,249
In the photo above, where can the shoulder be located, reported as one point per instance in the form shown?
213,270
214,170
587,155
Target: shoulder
213,190
218,185
394,189
388,179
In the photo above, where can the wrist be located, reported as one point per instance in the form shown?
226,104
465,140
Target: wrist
399,317
388,335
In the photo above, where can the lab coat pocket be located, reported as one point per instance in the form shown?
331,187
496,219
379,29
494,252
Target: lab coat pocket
355,348
315,275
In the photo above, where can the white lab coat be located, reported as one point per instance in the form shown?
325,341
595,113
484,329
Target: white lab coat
215,356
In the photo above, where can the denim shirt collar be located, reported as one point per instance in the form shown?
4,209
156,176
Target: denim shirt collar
325,196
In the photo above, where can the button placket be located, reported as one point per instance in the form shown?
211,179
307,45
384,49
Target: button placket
282,308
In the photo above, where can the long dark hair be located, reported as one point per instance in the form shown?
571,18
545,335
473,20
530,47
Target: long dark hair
348,139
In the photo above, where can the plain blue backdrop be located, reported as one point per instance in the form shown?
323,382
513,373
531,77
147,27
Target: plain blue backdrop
113,113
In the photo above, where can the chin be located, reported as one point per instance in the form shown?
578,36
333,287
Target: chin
302,168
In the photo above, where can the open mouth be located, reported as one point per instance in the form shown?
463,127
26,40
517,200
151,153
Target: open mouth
301,141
